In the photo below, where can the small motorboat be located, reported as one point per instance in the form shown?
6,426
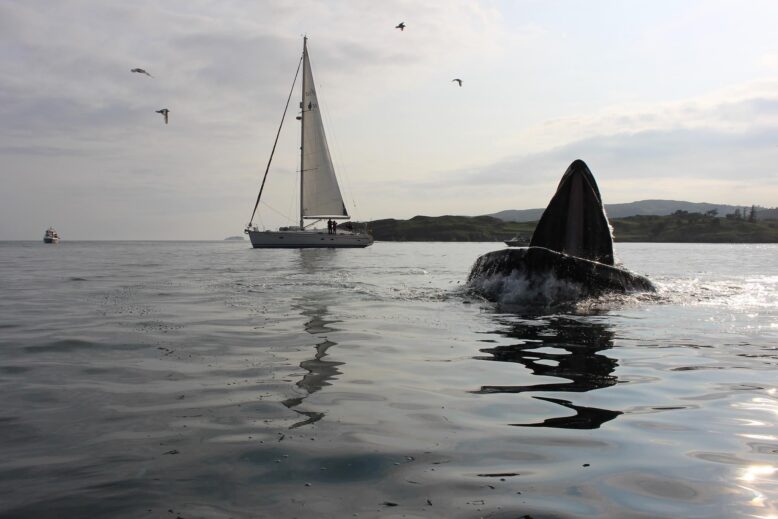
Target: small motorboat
517,241
51,236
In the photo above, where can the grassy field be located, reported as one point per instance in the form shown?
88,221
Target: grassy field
449,228
682,227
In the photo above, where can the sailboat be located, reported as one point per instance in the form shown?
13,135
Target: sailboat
320,197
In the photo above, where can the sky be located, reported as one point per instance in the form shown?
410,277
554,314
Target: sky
663,99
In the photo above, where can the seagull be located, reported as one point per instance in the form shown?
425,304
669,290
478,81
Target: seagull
140,71
458,81
401,26
164,112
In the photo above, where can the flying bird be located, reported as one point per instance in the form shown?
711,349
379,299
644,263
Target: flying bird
401,26
458,81
140,71
164,112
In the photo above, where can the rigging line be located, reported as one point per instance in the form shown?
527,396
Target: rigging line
294,200
288,218
276,141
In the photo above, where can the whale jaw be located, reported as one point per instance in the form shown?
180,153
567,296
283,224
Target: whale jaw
536,275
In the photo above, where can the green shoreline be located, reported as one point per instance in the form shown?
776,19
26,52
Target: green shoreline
676,228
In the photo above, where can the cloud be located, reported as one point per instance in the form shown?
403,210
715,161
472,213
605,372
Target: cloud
75,121
706,137
714,148
37,150
227,66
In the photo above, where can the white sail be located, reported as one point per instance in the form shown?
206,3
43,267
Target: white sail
320,192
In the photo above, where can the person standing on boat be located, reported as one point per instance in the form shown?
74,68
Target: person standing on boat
329,226
334,227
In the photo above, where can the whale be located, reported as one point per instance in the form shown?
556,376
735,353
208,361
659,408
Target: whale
570,255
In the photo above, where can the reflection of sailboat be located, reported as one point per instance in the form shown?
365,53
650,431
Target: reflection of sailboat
320,196
320,371
581,364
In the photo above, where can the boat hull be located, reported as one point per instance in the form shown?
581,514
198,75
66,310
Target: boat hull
540,273
308,240
50,240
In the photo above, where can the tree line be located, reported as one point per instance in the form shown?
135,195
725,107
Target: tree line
746,214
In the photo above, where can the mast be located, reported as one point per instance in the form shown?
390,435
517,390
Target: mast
302,129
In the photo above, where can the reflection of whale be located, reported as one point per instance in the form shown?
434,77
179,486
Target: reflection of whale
320,371
581,363
570,255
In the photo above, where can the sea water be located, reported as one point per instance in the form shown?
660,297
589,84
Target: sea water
184,379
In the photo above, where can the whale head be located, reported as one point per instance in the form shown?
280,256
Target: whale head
574,221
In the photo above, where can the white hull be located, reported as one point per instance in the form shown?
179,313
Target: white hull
307,240
50,240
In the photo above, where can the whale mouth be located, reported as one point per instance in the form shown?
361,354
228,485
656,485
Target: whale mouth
574,221
570,256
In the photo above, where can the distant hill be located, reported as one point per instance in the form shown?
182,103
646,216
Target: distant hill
643,208
519,215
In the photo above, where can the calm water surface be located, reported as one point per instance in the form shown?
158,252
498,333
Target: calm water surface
209,380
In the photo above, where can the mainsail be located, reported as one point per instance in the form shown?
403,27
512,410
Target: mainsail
320,196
